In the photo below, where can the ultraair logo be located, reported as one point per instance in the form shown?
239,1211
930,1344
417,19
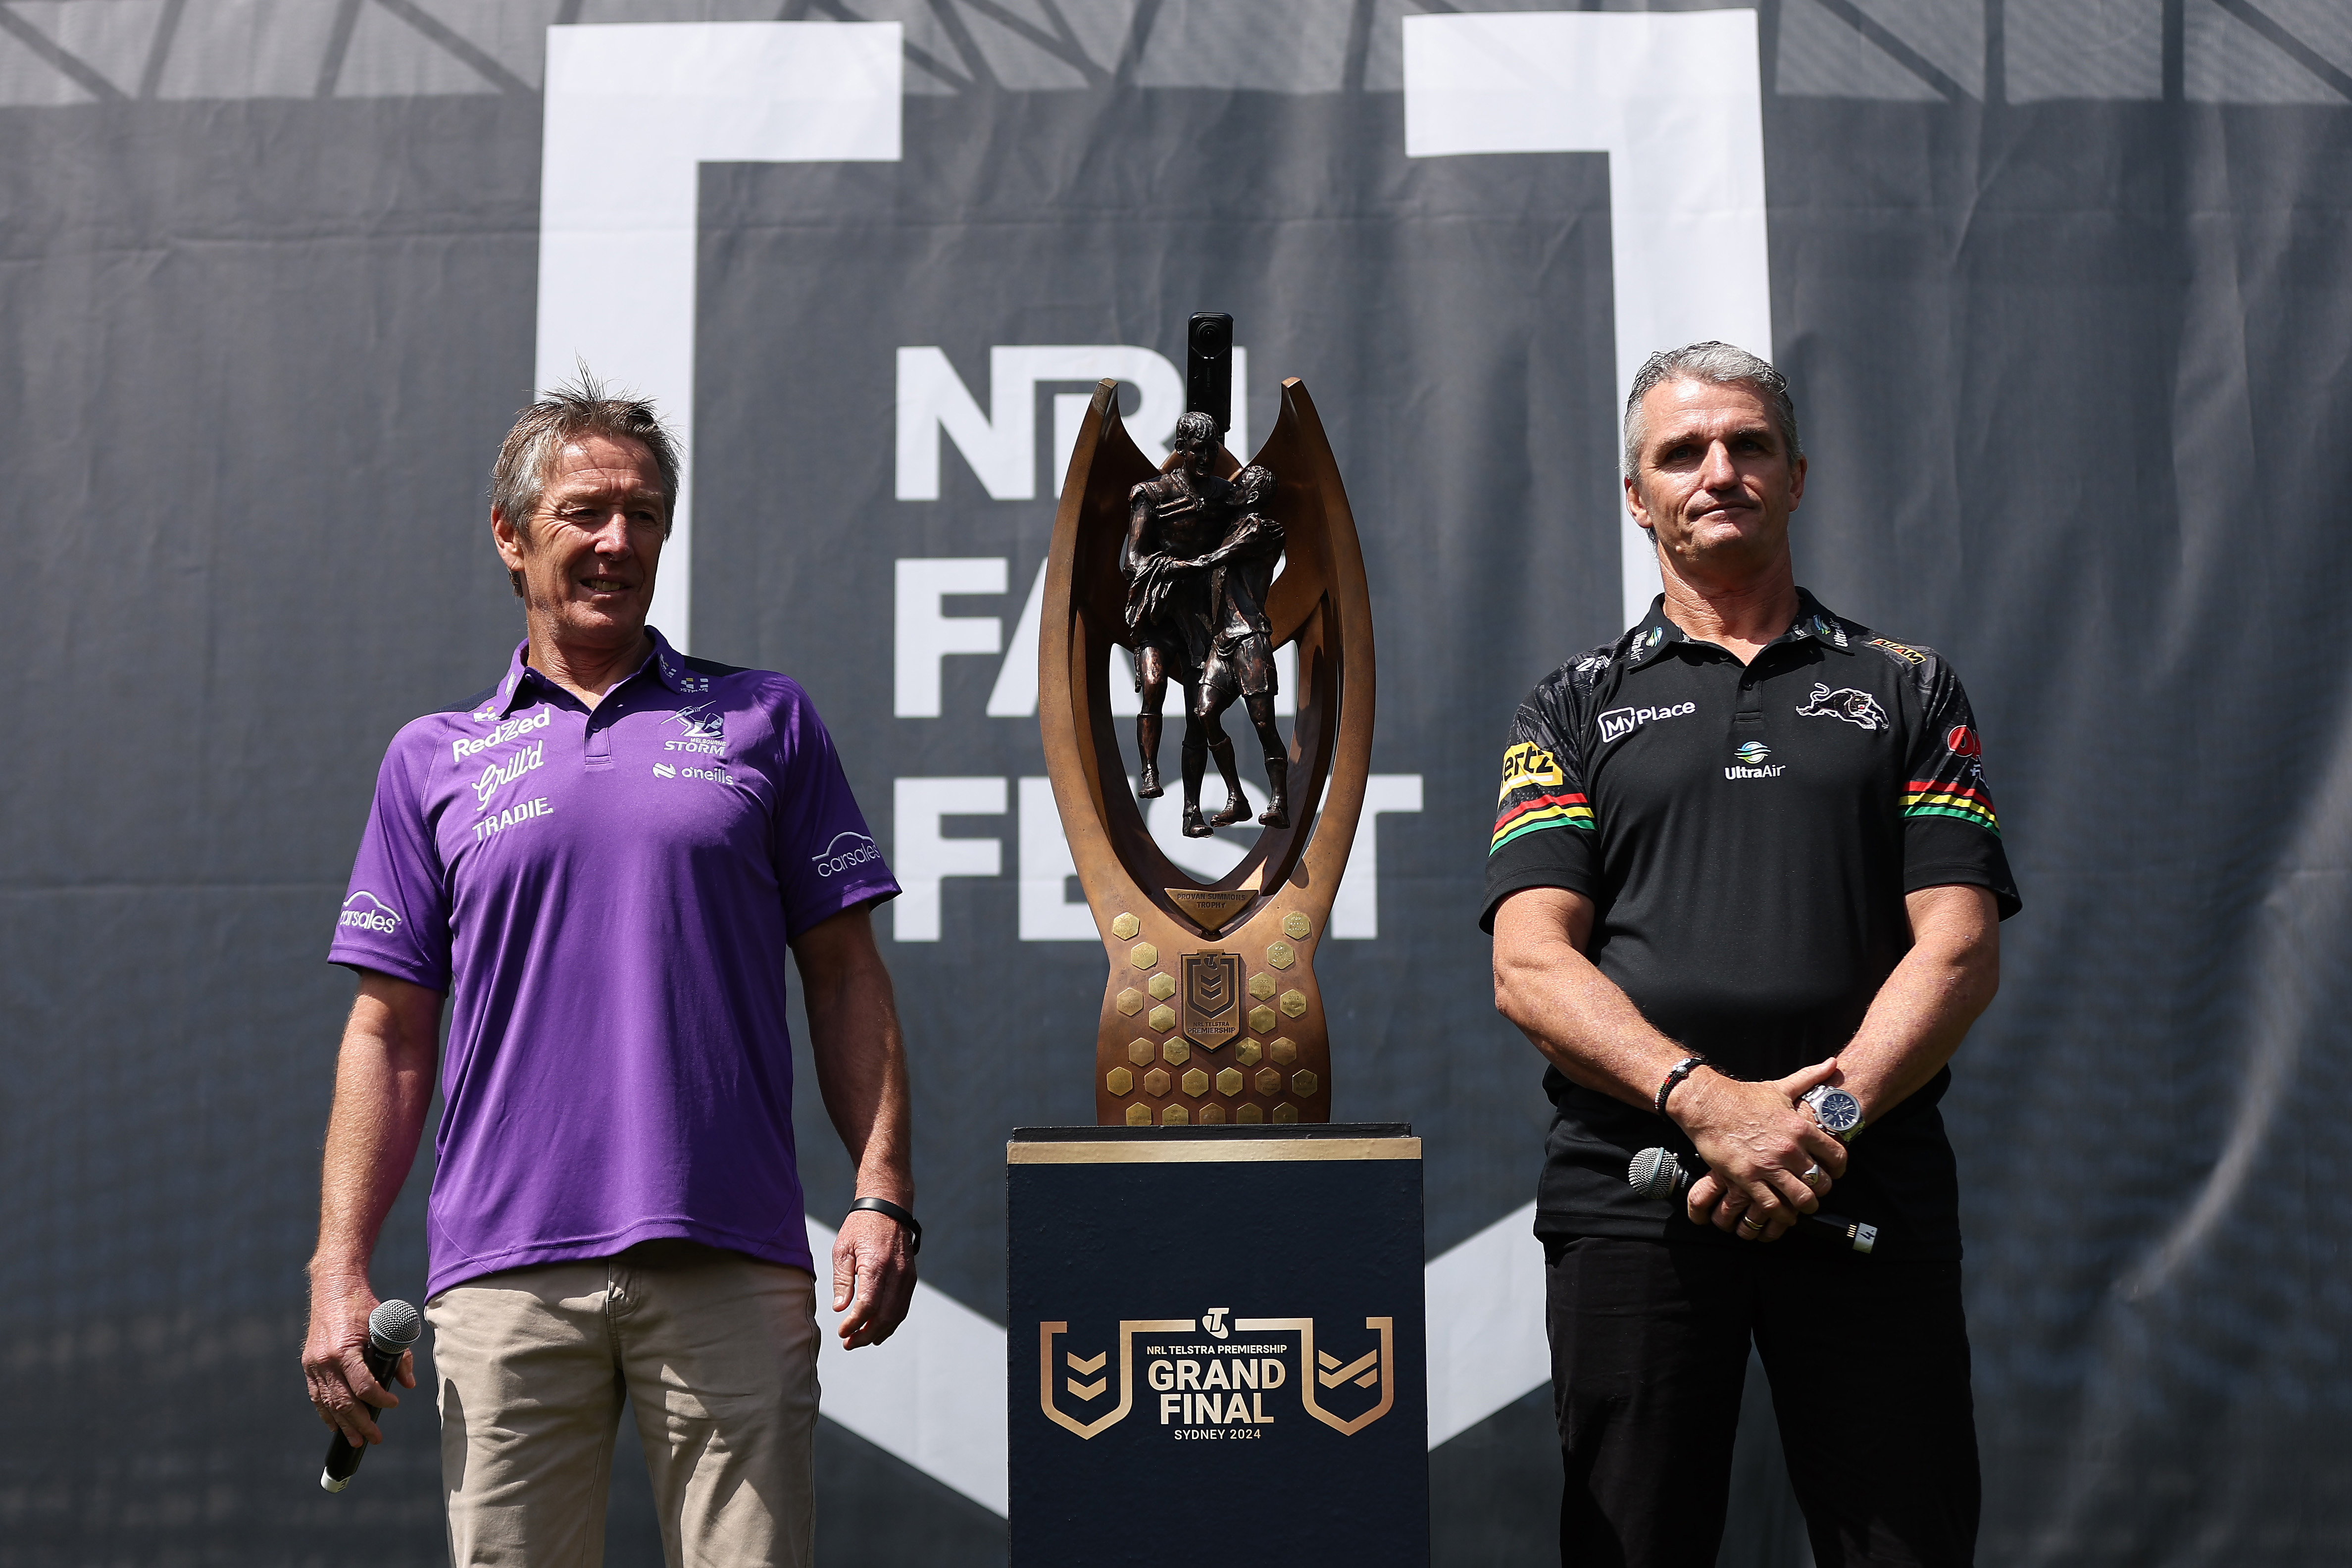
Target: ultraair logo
366,911
706,730
847,850
1752,765
1241,1379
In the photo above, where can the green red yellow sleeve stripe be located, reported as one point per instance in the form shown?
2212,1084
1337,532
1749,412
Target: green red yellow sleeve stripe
1539,812
1928,797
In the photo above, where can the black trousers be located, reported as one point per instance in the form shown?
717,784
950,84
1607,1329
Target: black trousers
1869,1364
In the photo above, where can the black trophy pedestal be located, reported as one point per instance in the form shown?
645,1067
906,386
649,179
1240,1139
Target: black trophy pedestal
1215,1346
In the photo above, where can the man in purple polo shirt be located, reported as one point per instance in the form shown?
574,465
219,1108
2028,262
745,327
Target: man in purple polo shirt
602,861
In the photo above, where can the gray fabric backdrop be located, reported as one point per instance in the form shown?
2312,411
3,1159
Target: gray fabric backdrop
2062,286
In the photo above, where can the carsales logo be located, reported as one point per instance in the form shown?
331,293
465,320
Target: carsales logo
847,850
1963,741
366,911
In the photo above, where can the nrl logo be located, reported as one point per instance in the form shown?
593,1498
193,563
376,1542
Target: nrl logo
1224,1380
1212,1000
1855,707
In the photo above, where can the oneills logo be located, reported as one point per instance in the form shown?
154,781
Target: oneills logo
1220,1387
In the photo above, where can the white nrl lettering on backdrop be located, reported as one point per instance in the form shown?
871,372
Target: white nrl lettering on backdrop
1621,721
847,850
462,748
496,776
373,915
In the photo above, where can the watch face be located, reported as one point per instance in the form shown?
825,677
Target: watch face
1835,1109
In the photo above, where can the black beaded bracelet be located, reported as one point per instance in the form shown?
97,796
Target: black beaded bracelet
1675,1075
884,1206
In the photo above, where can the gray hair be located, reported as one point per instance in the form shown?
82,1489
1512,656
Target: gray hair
562,416
1719,364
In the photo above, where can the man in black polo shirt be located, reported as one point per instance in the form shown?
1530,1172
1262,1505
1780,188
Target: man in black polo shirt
1743,852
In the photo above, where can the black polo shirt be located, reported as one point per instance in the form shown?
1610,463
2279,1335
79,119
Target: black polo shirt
1747,833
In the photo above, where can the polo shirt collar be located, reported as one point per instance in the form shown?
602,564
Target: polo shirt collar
1656,634
513,690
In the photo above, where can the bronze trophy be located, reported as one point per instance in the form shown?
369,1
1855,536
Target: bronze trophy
1212,1015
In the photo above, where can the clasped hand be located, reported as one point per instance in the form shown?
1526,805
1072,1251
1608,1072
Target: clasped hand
1759,1144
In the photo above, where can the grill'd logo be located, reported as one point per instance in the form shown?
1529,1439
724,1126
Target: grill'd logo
1224,1386
496,776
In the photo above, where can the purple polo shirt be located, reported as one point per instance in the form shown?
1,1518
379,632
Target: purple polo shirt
608,897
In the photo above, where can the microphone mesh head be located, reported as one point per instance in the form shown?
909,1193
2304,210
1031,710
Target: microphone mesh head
395,1323
1656,1173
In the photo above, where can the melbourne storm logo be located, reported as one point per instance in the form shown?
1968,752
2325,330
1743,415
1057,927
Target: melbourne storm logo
1855,707
706,730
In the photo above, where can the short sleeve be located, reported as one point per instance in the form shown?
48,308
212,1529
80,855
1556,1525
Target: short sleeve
1951,833
826,857
395,915
1544,832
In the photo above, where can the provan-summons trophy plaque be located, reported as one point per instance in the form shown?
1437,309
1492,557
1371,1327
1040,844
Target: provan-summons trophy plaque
1211,1016
1215,1294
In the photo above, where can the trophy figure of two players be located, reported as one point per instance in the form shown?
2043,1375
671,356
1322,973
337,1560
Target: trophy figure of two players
1215,1294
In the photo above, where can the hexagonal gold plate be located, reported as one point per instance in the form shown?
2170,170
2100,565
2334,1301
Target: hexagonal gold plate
1293,1003
1248,1053
1212,1115
1120,1081
1130,1001
1140,1052
1124,927
1143,955
1177,1051
1268,1081
1155,1082
1196,1083
1174,1116
1302,1084
1162,986
1229,1083
1261,986
1283,1052
1139,1115
1296,926
1286,1113
1247,1115
1261,1020
1280,954
1162,1018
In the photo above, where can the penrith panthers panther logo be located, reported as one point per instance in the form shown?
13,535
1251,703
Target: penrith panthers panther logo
1853,707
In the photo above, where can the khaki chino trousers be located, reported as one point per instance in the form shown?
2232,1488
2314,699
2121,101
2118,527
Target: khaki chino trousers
715,1351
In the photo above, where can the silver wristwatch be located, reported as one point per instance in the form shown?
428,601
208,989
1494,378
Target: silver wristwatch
1838,1114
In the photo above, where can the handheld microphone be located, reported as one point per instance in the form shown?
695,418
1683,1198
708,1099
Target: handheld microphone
1656,1173
392,1328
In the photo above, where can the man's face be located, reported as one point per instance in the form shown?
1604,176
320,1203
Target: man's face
587,558
1715,484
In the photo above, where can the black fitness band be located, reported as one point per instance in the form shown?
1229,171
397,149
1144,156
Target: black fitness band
886,1207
